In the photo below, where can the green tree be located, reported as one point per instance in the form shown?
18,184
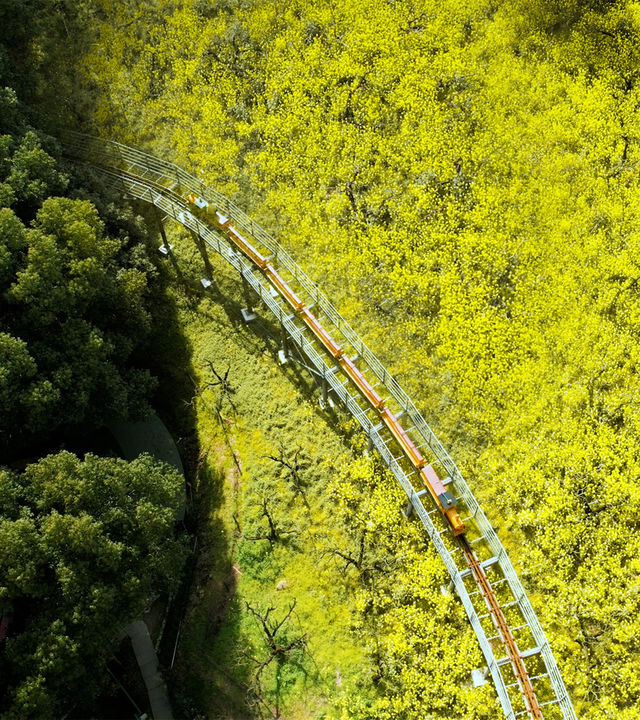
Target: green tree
85,545
78,302
30,174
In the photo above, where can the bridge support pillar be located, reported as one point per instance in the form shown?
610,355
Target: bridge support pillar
409,509
165,248
283,353
207,280
325,398
447,589
479,677
248,314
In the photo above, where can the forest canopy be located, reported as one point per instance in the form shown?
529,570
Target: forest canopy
75,292
84,545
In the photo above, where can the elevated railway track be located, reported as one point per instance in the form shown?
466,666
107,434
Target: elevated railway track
518,657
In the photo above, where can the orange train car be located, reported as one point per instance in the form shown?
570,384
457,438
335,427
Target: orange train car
323,336
365,387
445,501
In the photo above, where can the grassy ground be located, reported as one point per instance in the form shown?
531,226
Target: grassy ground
266,454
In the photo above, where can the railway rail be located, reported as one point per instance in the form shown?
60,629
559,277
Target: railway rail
518,656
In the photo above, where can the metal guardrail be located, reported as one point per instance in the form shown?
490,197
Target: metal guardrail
165,185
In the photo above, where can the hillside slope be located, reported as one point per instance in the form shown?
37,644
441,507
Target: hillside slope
462,178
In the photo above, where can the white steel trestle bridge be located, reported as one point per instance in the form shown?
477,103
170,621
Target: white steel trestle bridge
518,656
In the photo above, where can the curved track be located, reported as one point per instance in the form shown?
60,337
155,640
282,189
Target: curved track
517,653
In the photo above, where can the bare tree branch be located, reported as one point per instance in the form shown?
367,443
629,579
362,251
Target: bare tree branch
277,648
275,533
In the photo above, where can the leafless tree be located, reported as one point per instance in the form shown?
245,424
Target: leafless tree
294,468
360,559
275,532
279,647
222,381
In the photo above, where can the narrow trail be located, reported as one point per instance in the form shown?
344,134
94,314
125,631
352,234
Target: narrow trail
314,335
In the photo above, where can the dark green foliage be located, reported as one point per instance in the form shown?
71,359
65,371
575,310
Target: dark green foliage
84,545
29,174
74,301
